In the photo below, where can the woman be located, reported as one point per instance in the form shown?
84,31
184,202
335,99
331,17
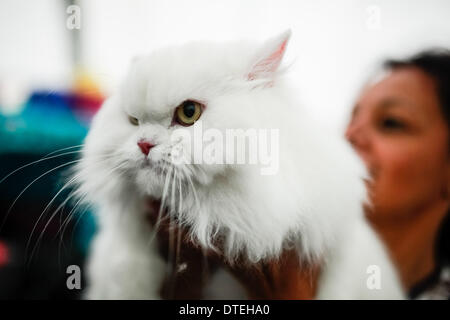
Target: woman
401,129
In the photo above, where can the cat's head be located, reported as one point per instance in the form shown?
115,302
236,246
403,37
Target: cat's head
138,136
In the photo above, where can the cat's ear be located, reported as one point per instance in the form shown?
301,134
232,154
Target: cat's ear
269,56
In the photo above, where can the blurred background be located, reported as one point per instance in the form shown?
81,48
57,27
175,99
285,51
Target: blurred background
60,59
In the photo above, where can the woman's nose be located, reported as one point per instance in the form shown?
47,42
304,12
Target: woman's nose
357,135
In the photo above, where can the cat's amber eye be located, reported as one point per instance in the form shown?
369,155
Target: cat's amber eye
134,121
188,112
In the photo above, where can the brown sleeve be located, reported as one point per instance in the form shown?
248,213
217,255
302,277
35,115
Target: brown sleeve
285,278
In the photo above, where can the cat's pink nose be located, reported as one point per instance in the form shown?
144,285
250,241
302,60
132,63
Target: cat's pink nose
145,146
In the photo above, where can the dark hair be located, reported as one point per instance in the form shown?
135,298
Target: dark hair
435,63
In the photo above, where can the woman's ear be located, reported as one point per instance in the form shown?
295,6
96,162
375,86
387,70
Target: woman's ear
269,56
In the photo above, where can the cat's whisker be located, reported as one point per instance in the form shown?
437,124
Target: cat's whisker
30,184
205,265
79,218
71,194
35,162
197,207
41,216
65,223
103,155
179,230
172,267
61,217
62,210
69,216
70,182
188,178
46,157
36,179
82,197
176,248
59,208
194,170
161,207
63,149
181,201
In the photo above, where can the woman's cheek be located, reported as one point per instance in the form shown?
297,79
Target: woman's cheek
397,181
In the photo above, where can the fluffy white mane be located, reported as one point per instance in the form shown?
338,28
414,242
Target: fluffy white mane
315,191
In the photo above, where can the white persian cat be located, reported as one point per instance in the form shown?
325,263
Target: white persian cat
309,197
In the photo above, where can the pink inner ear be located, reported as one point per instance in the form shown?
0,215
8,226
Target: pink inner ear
277,55
270,64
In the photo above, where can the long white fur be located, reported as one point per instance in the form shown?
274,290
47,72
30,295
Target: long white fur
314,202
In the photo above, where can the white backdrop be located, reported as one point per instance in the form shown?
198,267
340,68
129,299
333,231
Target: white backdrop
334,46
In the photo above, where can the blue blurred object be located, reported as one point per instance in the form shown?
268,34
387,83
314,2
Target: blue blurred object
48,122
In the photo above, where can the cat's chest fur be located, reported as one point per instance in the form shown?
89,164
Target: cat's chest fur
196,273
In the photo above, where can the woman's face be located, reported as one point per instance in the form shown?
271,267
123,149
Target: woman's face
399,131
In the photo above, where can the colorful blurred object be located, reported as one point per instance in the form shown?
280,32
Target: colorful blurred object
4,255
51,120
36,244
